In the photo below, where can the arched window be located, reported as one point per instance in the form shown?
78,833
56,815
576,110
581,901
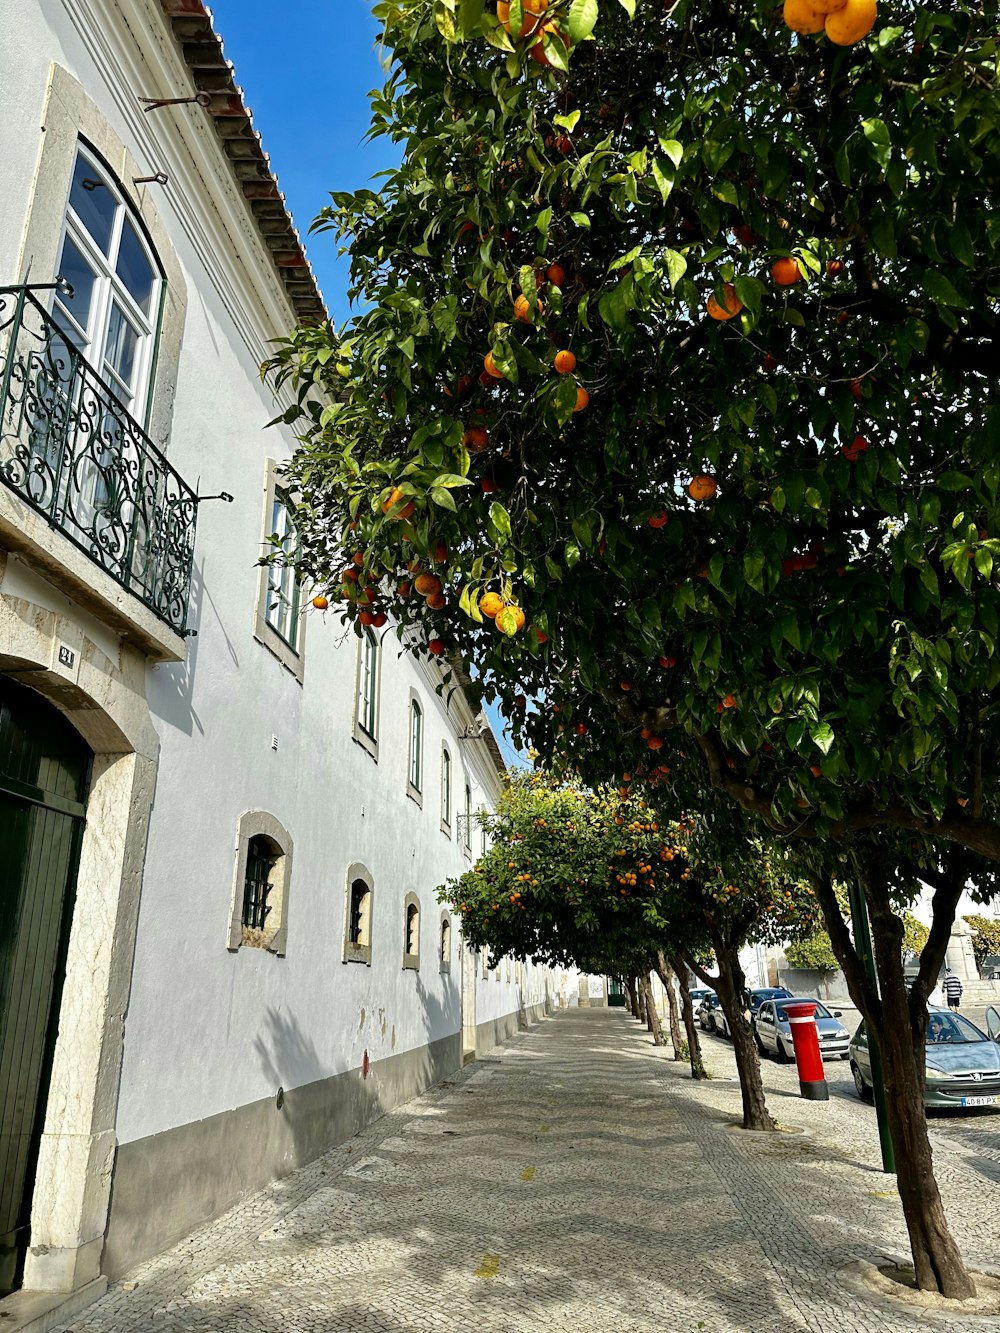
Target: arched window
468,818
358,924
445,944
411,931
366,694
259,917
112,314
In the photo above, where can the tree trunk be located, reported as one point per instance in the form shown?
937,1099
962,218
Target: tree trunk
633,999
641,997
898,1022
730,986
698,1069
665,972
652,1017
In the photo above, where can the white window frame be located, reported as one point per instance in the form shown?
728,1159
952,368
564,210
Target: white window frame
92,341
359,951
415,754
274,937
367,688
446,789
445,932
273,584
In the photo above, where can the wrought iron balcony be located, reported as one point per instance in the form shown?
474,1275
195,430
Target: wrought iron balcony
70,449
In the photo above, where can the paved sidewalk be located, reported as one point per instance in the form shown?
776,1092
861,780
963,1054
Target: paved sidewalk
574,1180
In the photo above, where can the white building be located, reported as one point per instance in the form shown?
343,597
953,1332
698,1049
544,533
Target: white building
222,818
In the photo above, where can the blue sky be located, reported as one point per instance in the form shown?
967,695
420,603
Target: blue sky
306,68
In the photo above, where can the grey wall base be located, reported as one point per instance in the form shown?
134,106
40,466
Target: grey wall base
170,1183
497,1030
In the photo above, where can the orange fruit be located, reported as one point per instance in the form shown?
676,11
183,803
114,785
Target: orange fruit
403,589
533,10
565,363
397,498
476,439
435,647
702,487
522,309
786,272
490,367
556,274
537,52
490,603
440,553
729,701
509,619
731,307
835,268
320,602
350,574
582,398
367,617
851,23
379,619
802,17
435,602
427,584
815,770
658,520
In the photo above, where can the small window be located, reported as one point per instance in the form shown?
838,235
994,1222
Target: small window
468,818
282,611
366,700
415,775
411,931
445,944
446,790
279,623
358,925
259,917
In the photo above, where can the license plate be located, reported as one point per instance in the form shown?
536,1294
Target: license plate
979,1101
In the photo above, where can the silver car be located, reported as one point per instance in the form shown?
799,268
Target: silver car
773,1031
962,1065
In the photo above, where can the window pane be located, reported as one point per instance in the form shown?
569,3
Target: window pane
134,268
95,207
122,344
75,269
283,588
416,744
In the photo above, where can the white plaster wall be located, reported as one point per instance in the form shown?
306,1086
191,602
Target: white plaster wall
208,1030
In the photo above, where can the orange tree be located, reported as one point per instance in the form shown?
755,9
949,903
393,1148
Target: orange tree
603,881
675,344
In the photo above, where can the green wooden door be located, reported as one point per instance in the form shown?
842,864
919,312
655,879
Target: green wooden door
44,771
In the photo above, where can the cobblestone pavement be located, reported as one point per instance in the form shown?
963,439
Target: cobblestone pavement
575,1179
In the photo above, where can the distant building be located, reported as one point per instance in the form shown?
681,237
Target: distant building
222,817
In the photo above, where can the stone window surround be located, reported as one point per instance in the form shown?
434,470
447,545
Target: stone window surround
250,824
415,794
293,659
358,953
362,737
444,937
411,961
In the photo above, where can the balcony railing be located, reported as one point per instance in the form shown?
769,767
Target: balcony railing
70,449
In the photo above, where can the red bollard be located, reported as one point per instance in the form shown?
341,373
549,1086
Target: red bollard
805,1040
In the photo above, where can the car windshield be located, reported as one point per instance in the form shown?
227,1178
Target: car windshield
774,993
951,1029
821,1011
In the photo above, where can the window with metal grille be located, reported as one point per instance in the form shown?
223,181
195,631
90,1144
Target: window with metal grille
411,931
359,919
262,857
445,942
282,611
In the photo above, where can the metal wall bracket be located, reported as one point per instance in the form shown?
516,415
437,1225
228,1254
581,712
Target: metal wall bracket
154,103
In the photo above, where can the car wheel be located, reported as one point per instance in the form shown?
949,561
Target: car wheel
781,1054
861,1087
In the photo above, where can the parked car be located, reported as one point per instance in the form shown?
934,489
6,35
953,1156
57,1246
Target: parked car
962,1064
697,994
756,997
991,967
706,1012
722,1028
773,1031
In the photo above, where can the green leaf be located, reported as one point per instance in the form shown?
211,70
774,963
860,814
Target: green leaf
822,735
673,150
566,122
582,17
450,480
500,521
940,290
443,498
629,7
954,481
753,569
676,266
580,219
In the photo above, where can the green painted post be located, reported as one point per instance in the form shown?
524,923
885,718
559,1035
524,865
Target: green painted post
863,944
